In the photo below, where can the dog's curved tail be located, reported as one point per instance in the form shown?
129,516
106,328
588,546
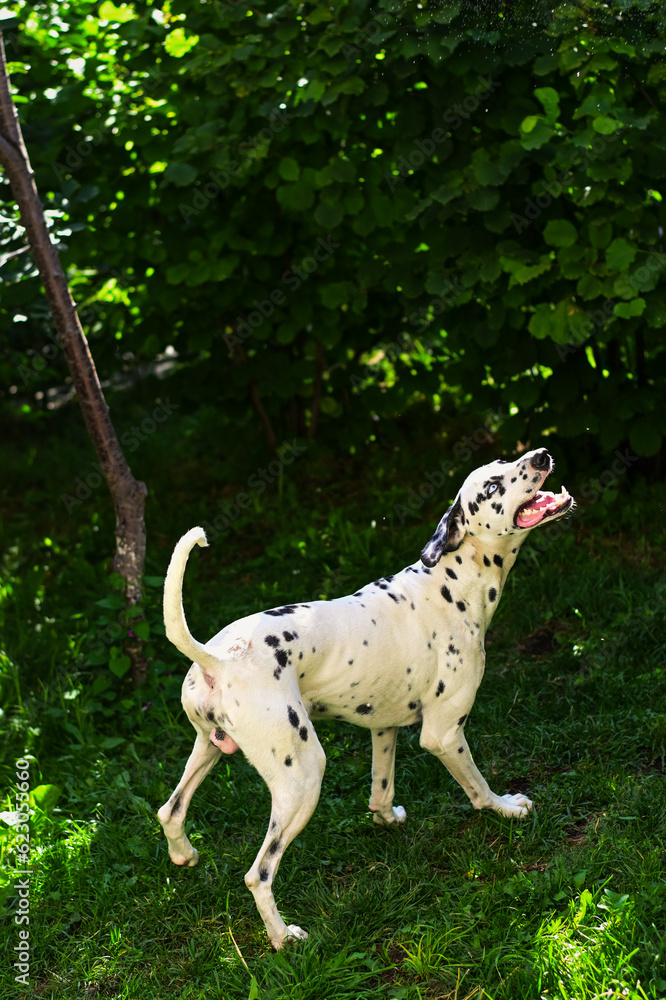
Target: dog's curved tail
174,616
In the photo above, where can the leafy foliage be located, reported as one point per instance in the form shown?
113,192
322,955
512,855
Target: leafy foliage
352,210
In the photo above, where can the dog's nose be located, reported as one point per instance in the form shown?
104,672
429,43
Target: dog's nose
540,460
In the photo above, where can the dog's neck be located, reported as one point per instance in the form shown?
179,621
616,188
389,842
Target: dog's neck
474,578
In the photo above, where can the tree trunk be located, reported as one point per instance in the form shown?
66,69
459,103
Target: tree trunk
128,493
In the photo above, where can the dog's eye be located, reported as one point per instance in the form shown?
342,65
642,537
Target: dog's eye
492,488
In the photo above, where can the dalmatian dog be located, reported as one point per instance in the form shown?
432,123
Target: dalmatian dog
405,649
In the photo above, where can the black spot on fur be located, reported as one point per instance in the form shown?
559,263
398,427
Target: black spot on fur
272,640
492,594
384,783
459,560
461,719
440,688
288,762
365,642
358,593
274,847
290,636
292,716
288,609
461,606
498,560
461,749
392,596
380,733
303,733
281,655
263,874
446,594
364,709
210,716
300,655
220,734
176,805
450,573
350,662
486,561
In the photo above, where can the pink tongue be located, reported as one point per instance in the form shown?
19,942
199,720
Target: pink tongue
536,507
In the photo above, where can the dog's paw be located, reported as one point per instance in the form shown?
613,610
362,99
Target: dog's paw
518,806
294,933
186,861
396,815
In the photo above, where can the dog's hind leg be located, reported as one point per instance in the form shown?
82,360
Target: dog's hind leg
294,779
172,814
383,771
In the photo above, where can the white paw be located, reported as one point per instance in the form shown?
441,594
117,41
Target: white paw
294,933
514,805
397,815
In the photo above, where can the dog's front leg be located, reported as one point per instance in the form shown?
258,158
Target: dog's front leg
383,770
452,749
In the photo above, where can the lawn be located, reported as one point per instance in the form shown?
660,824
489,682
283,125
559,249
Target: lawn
570,903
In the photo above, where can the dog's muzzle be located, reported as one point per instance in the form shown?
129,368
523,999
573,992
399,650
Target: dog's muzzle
542,503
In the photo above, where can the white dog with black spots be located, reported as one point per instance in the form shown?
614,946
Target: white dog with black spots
405,649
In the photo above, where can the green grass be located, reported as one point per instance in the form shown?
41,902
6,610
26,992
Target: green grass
570,904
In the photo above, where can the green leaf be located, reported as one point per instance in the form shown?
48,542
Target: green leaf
177,44
625,310
329,216
289,169
44,797
620,254
335,293
113,601
553,322
530,271
109,12
589,287
181,174
142,629
600,234
297,197
119,663
560,233
605,125
550,100
530,123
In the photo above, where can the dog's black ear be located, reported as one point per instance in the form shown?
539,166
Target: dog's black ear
448,537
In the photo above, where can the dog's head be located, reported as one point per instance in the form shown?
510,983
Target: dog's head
498,500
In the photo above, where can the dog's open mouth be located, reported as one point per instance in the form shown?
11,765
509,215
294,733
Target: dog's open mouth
541,505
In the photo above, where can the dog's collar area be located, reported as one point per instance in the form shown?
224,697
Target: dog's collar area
541,505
